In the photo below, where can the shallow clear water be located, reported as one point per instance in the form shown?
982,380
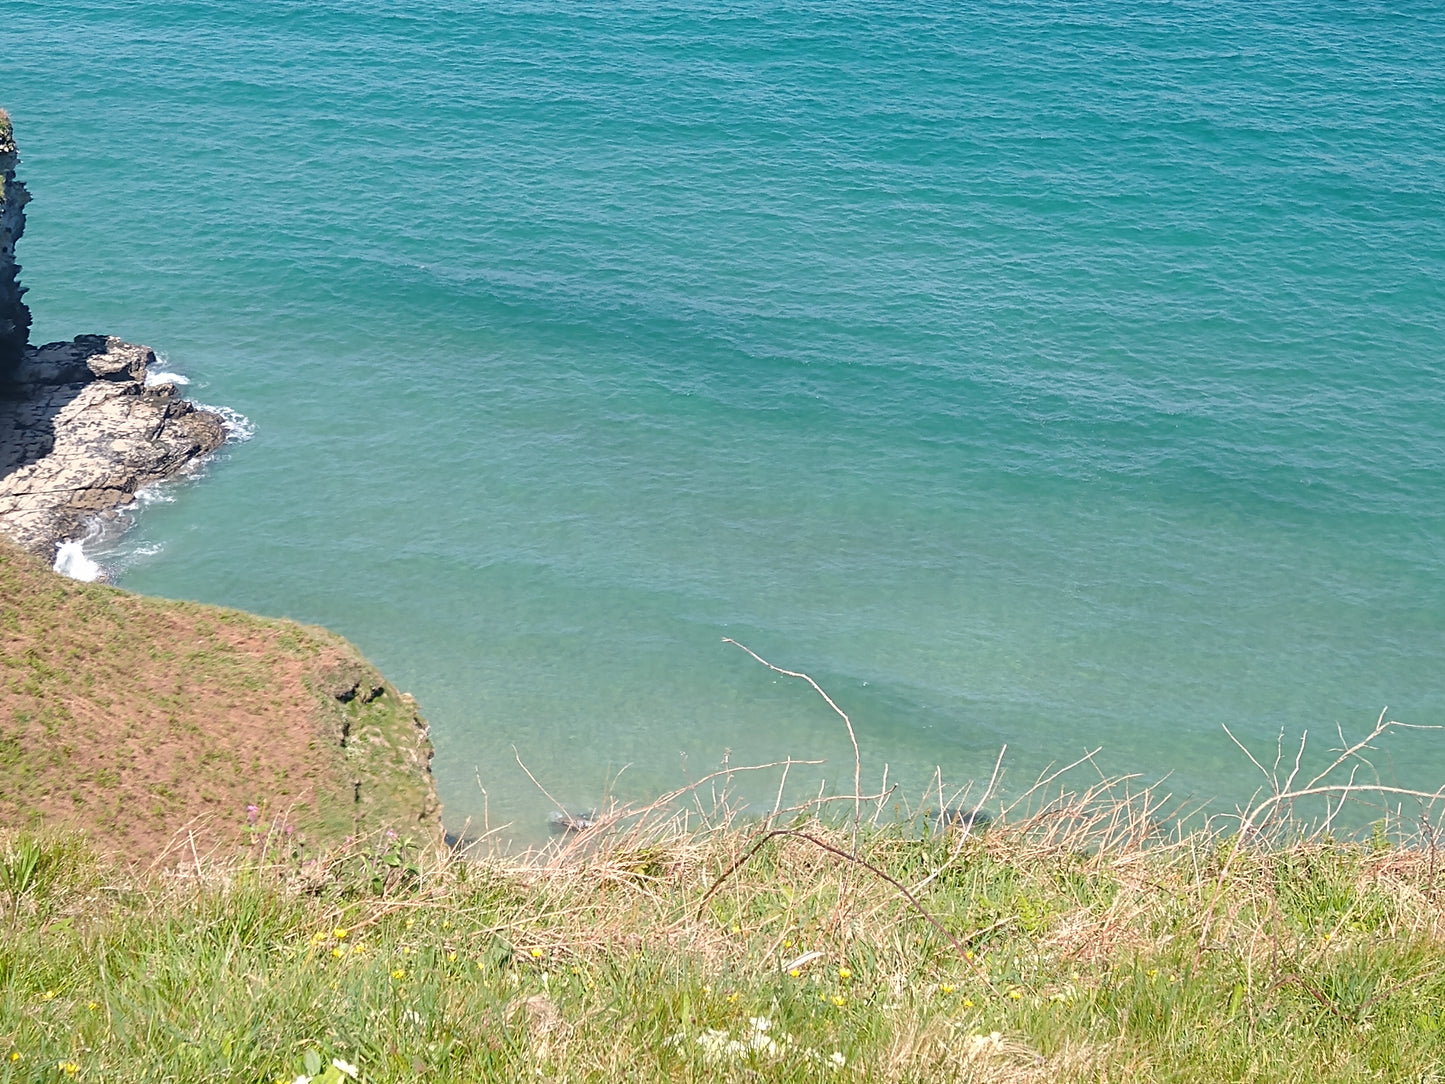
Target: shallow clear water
1057,374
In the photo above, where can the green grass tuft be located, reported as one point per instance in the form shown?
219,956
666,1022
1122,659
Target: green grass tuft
632,953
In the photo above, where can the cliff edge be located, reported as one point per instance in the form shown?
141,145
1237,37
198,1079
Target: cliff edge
141,721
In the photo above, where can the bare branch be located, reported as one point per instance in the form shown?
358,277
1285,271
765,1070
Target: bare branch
852,737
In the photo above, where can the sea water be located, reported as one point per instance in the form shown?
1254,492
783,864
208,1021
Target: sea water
1060,375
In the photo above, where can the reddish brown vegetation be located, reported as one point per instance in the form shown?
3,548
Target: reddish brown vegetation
145,721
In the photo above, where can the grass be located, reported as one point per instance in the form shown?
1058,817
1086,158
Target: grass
132,717
1083,935
1081,941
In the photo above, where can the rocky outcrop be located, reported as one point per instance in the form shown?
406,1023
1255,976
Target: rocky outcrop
80,433
79,430
14,316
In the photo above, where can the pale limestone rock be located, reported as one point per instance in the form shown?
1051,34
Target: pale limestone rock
80,433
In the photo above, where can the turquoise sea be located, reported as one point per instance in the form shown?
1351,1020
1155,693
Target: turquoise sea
1061,374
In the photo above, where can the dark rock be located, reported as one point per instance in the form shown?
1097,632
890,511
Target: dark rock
350,681
14,315
561,822
966,819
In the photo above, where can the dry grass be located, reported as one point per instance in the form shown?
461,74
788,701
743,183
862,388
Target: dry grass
1093,931
659,946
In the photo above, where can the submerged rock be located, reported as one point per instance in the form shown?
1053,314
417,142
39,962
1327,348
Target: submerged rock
958,819
560,821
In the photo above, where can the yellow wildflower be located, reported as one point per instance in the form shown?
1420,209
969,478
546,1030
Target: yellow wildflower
69,1068
947,987
14,1055
1014,995
451,957
537,954
49,995
968,1003
839,1000
398,973
339,933
844,974
338,952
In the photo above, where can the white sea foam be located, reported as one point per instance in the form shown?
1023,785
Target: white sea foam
70,560
157,493
239,428
161,376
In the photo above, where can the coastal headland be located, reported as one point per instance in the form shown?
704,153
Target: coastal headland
81,428
142,721
81,431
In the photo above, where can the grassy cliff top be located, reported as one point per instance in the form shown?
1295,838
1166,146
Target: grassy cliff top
1081,938
1073,945
149,723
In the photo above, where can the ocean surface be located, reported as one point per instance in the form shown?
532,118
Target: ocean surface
1064,375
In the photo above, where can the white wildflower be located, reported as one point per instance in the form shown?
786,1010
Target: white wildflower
761,1044
984,1045
714,1043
